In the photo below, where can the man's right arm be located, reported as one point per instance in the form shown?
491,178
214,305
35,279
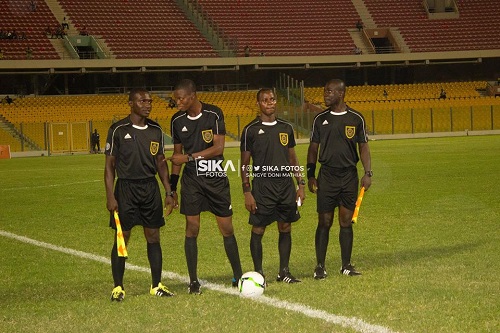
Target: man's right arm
177,161
176,169
312,157
250,203
109,181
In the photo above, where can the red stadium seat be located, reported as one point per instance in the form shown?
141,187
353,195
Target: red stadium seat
477,20
33,24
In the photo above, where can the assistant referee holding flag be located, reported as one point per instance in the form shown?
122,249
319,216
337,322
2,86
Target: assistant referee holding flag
134,152
338,133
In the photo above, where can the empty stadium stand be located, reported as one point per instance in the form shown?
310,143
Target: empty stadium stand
403,92
101,110
160,29
239,108
140,29
414,108
17,16
476,28
417,108
285,28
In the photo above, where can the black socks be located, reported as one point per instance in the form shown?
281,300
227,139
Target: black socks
346,237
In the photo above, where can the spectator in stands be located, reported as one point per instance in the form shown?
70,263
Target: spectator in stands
33,5
247,51
29,53
8,99
59,32
442,95
385,93
1,54
95,142
357,50
83,31
64,24
12,34
171,103
359,25
49,31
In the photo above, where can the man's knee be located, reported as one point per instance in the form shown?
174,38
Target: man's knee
225,226
325,220
345,216
152,235
284,227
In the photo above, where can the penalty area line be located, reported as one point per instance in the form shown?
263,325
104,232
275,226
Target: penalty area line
347,322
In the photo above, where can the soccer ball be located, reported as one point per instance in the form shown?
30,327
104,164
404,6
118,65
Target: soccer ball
251,284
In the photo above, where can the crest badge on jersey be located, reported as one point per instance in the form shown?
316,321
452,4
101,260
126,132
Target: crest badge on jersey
207,135
284,138
350,131
153,147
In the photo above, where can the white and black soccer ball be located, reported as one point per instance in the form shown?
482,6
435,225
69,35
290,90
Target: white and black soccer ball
251,284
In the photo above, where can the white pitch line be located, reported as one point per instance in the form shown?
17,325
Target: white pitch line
49,185
348,322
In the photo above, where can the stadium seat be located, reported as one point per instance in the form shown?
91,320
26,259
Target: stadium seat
476,27
161,28
279,28
33,24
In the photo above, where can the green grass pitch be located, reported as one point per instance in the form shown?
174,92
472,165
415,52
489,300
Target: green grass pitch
427,241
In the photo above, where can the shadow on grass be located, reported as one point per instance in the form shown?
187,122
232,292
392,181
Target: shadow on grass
401,257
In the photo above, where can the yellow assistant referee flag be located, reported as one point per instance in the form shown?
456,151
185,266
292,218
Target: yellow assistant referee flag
120,241
358,204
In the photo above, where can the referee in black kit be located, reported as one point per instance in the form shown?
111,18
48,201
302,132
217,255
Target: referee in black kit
338,132
134,152
198,132
273,196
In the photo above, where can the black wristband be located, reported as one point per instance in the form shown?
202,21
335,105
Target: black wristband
246,187
173,182
311,170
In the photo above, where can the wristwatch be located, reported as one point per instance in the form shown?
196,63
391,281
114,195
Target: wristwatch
171,193
369,173
190,158
301,182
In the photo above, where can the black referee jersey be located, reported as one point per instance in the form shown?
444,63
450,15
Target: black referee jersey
197,133
338,134
135,148
268,144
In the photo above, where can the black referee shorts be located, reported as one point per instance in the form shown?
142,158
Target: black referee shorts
275,198
139,203
336,187
201,193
